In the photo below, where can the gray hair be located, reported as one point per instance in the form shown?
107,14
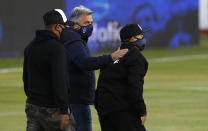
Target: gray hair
77,12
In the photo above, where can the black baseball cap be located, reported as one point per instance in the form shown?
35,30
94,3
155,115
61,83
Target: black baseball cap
131,30
56,16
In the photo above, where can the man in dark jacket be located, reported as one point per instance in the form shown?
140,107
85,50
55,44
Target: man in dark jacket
45,77
119,95
82,78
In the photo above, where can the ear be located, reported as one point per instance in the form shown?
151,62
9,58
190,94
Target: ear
76,26
57,27
132,39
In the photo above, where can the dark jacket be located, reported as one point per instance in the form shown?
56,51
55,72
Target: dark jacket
82,78
45,72
120,84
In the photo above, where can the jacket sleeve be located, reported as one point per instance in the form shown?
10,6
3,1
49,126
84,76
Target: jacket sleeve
136,71
24,77
79,56
59,77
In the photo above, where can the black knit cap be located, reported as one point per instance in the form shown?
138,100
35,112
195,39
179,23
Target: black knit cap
131,30
55,16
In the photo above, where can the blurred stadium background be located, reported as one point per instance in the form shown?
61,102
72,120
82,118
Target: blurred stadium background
176,85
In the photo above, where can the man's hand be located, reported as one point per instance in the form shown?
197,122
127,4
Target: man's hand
143,119
118,54
64,121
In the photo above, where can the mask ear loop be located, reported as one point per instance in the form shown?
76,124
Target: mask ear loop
78,25
61,28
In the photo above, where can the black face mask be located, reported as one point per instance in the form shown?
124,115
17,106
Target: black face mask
141,43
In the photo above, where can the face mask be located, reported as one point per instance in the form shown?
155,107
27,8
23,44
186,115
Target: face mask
86,31
141,43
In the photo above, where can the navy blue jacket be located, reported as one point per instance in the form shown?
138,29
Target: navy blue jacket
82,64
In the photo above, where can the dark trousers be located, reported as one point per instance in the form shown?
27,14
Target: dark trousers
82,116
120,121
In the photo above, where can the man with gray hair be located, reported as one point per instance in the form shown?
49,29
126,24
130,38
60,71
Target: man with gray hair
82,64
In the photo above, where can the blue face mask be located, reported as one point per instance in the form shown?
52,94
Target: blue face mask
86,31
141,43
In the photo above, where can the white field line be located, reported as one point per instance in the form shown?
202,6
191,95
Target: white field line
199,89
8,70
185,88
162,59
179,58
196,88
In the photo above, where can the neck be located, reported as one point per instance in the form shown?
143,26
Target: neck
54,31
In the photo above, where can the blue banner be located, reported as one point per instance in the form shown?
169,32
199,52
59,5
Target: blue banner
173,23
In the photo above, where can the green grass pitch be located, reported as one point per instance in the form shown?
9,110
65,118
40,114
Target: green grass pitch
175,91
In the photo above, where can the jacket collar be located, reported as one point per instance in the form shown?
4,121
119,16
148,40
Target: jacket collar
78,35
46,34
129,45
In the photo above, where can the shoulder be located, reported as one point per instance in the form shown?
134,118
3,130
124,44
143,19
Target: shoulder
29,46
134,56
55,45
70,35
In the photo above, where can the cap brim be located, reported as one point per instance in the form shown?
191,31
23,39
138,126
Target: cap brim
147,29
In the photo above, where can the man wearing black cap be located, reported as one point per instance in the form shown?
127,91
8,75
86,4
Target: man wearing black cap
45,77
119,95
